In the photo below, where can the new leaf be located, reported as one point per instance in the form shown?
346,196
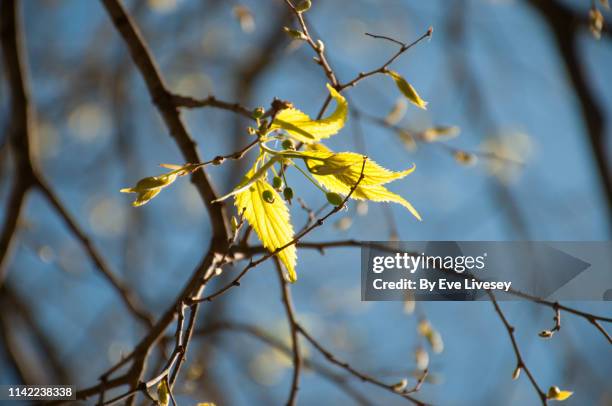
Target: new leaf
301,127
269,218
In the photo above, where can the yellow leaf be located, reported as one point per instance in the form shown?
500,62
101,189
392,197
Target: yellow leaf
163,394
301,127
346,167
150,187
407,90
554,393
270,219
250,178
343,180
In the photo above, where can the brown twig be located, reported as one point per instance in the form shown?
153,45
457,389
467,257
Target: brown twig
520,363
364,377
126,295
210,101
263,336
319,50
163,100
18,137
295,342
384,68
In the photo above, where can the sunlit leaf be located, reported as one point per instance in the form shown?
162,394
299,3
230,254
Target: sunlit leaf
554,393
269,218
346,166
348,172
407,90
250,178
148,188
301,127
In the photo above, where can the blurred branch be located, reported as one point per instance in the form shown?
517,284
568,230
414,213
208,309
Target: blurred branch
405,393
17,354
18,128
295,343
419,136
127,295
27,175
565,25
272,341
21,307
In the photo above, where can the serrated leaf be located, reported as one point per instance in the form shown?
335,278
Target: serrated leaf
270,221
301,127
346,167
372,189
407,90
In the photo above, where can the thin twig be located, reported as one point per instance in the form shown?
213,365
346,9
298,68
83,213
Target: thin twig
295,343
520,363
364,377
210,101
383,69
319,50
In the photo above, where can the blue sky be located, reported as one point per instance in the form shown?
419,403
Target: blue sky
527,107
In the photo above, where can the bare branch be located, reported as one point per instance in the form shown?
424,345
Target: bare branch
364,377
163,100
295,343
211,101
317,47
520,363
383,69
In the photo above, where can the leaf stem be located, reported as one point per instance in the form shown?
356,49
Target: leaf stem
310,179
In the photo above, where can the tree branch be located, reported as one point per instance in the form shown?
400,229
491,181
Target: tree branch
163,100
295,343
520,363
18,127
565,25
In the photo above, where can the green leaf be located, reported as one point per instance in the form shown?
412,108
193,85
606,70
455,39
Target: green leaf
301,127
407,90
269,218
149,187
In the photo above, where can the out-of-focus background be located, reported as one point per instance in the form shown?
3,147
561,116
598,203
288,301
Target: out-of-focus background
494,68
